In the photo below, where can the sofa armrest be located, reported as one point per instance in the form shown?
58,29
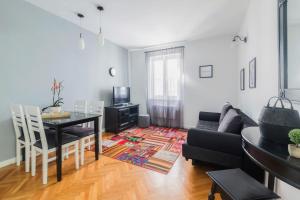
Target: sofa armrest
216,141
209,116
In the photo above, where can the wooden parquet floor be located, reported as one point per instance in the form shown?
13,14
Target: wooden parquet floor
107,179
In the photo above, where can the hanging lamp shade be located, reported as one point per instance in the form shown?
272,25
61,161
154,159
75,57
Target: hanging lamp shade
100,36
81,42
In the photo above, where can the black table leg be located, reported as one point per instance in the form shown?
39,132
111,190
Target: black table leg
58,154
96,129
271,182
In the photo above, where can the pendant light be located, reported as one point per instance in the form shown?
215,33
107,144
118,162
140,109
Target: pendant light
100,35
81,39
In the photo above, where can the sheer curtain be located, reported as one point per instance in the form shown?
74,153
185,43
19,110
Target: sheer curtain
165,86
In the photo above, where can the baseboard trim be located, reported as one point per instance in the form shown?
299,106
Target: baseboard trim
7,162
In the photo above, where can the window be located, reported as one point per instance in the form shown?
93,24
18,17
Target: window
165,76
165,84
173,77
158,74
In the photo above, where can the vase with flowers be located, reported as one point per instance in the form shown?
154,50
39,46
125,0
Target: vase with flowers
57,100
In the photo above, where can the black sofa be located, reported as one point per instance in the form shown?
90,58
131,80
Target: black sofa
205,143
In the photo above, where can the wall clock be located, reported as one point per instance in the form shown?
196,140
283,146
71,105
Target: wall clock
112,72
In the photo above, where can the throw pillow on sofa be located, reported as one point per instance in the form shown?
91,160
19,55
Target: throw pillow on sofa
232,122
224,110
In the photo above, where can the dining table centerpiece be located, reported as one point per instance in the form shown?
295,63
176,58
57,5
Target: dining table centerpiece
57,100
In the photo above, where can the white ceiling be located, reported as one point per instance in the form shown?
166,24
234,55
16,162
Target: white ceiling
144,23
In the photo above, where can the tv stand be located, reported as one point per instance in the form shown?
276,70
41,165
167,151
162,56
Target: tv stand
122,105
121,117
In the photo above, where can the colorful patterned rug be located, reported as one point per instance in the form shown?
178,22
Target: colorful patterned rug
154,148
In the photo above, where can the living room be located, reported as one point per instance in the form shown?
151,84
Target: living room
169,69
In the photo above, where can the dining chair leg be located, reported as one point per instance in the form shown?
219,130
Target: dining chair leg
67,152
82,151
63,154
33,161
76,155
27,158
89,141
45,167
100,142
18,153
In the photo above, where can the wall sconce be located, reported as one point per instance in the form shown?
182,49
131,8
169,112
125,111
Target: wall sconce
237,39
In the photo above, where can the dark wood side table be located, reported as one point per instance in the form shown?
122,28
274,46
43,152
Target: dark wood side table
234,184
272,157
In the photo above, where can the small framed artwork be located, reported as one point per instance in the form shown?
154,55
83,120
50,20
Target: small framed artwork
242,79
206,71
252,73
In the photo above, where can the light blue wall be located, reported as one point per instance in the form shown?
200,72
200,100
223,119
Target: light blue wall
35,47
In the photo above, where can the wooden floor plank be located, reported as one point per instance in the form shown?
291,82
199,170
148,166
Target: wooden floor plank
106,179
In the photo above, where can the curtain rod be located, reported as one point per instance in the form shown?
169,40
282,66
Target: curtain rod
164,49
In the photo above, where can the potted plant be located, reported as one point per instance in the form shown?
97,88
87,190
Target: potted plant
294,149
57,101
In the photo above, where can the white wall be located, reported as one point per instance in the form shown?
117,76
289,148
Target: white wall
208,94
35,47
260,25
199,94
293,59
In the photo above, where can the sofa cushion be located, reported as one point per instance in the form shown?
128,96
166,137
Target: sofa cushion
207,125
232,122
224,110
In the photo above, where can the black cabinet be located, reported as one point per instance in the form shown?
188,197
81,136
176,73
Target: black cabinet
119,118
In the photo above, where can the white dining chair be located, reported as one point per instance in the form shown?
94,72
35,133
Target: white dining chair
22,135
47,143
86,134
97,107
81,107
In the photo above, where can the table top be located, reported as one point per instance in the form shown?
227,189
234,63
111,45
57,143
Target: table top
75,117
271,156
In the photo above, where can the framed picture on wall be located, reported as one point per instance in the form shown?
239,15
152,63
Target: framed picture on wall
252,73
242,79
206,71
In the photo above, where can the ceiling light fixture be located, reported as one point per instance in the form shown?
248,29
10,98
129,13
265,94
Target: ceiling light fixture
100,34
81,39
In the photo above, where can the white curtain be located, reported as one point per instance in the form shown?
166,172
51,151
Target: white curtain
165,87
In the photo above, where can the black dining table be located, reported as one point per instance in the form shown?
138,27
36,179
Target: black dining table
75,118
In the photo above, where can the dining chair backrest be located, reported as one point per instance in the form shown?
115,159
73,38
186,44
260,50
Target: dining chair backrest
80,106
19,122
96,107
35,125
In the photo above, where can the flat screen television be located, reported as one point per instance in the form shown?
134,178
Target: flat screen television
121,95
